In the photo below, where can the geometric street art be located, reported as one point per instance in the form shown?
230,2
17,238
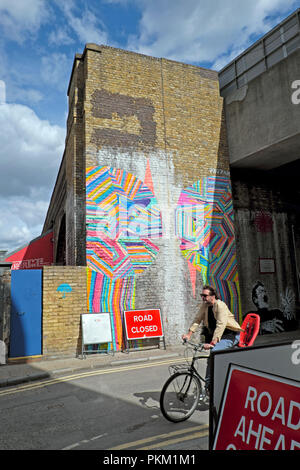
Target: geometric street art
122,218
123,222
204,226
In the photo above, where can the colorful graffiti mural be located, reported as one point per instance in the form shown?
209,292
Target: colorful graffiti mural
122,222
204,226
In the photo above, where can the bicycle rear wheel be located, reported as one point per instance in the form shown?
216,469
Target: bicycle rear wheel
180,396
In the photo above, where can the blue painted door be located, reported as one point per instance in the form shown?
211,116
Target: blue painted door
26,313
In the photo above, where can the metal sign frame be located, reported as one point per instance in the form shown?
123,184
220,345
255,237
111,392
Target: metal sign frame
97,337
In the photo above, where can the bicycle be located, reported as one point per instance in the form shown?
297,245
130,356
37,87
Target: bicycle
184,390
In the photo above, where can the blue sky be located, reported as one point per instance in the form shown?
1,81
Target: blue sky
38,41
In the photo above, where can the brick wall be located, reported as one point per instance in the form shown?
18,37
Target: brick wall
61,310
159,123
141,103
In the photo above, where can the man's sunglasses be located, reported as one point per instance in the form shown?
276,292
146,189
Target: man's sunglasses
204,296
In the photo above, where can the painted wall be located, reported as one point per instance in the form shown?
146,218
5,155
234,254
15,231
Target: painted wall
159,126
145,188
123,222
159,218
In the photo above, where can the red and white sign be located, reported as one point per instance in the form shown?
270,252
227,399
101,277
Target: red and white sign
259,412
142,324
38,253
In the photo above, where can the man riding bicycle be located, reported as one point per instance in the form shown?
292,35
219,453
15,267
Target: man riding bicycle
222,328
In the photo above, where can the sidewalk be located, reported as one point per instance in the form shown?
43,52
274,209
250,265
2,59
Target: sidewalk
14,374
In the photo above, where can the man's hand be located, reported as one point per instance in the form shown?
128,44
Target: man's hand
187,337
208,346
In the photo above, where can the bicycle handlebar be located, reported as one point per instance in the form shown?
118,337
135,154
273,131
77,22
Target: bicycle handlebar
197,347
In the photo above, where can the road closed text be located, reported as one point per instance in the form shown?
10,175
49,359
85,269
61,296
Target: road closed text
144,329
143,324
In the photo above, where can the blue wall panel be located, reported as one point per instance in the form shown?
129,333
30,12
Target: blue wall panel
26,313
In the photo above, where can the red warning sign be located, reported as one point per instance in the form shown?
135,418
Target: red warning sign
142,324
259,412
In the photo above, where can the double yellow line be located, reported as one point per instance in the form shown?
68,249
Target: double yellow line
166,439
152,442
68,378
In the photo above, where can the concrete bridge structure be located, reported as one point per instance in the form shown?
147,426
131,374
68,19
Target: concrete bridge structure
261,100
261,90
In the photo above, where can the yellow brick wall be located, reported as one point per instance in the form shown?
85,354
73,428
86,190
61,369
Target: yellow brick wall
61,315
142,112
186,103
130,111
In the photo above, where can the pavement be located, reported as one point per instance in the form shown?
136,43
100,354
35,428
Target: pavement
43,368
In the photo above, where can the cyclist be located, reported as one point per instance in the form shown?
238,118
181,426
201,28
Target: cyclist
223,330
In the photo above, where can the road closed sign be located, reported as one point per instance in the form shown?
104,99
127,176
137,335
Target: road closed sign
259,411
142,324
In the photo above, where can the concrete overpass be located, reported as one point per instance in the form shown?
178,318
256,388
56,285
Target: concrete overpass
261,100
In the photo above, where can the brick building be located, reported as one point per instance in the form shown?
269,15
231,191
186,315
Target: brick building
143,195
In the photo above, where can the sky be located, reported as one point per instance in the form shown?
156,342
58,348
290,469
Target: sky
38,42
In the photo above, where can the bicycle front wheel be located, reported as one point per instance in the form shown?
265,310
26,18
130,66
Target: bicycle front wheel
180,396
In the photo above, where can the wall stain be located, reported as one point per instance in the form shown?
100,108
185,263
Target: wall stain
106,105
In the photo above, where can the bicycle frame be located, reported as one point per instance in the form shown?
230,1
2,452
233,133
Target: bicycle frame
184,390
191,367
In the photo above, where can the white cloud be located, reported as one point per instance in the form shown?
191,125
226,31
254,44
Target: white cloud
56,69
202,31
60,37
20,221
30,154
86,28
86,25
2,92
19,19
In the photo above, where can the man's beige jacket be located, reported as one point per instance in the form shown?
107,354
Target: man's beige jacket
223,316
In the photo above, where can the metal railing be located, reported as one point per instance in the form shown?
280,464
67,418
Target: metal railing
275,46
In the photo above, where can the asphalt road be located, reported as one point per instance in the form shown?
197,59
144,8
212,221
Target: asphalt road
114,409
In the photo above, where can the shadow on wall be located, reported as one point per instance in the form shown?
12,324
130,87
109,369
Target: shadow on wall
5,308
17,342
